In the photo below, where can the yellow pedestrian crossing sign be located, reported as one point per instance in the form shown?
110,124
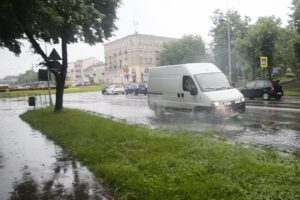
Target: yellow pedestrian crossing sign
263,62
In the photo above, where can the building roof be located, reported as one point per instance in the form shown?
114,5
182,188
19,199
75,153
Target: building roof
99,64
139,35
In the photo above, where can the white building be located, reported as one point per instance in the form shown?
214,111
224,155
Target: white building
76,70
95,73
128,59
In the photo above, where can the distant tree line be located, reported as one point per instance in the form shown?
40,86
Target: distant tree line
23,78
248,42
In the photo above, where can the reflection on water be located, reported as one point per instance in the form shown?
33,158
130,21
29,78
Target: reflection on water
54,187
33,167
248,128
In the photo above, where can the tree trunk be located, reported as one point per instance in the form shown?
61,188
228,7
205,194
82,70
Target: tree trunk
60,79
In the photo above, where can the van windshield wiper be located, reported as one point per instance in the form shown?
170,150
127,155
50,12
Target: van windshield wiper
209,89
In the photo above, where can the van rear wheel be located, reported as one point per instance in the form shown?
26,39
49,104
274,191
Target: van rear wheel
201,115
159,112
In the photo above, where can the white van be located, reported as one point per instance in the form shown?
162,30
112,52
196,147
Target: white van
200,88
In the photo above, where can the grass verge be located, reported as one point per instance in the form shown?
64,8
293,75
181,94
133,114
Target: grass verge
89,88
158,164
292,91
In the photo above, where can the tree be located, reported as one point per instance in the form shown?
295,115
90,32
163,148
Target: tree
56,22
189,49
295,25
285,56
28,76
260,41
219,32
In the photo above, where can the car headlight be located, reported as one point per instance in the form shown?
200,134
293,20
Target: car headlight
216,103
242,99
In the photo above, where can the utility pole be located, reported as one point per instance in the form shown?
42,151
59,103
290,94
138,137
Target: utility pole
49,76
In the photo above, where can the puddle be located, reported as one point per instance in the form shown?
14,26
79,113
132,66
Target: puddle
33,167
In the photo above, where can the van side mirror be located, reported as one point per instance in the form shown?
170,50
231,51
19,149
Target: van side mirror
194,91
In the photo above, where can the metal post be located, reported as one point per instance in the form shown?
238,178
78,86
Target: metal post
49,89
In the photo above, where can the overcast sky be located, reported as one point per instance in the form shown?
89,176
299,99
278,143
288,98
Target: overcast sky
170,18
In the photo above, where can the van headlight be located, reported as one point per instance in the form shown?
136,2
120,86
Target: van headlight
242,99
216,103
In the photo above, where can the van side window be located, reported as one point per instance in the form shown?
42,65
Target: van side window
187,83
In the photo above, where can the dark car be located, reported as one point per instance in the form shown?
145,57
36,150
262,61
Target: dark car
136,88
262,89
104,90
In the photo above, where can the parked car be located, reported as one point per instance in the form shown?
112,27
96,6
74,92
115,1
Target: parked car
115,89
104,90
136,88
262,89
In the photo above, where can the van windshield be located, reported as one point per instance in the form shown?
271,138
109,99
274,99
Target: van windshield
212,81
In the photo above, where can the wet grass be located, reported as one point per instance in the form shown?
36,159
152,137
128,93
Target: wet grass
292,91
159,164
28,92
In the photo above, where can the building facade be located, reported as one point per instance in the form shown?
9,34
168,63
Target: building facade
95,73
128,59
76,70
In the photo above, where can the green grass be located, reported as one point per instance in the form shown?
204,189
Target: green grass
40,92
292,91
159,164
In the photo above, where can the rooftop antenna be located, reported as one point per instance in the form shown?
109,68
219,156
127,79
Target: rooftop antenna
136,26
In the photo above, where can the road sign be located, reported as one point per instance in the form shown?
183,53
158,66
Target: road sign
54,55
263,62
43,75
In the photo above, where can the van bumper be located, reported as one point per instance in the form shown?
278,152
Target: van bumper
232,109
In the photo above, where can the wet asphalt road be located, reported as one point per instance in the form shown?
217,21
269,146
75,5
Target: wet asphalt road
274,124
33,167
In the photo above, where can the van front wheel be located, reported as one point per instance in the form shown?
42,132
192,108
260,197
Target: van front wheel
159,112
201,115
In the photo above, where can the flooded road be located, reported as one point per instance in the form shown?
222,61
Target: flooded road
268,124
33,167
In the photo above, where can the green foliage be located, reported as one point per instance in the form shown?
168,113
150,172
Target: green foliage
28,76
260,41
295,25
295,21
285,56
63,21
189,49
157,164
292,91
219,33
73,20
28,92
